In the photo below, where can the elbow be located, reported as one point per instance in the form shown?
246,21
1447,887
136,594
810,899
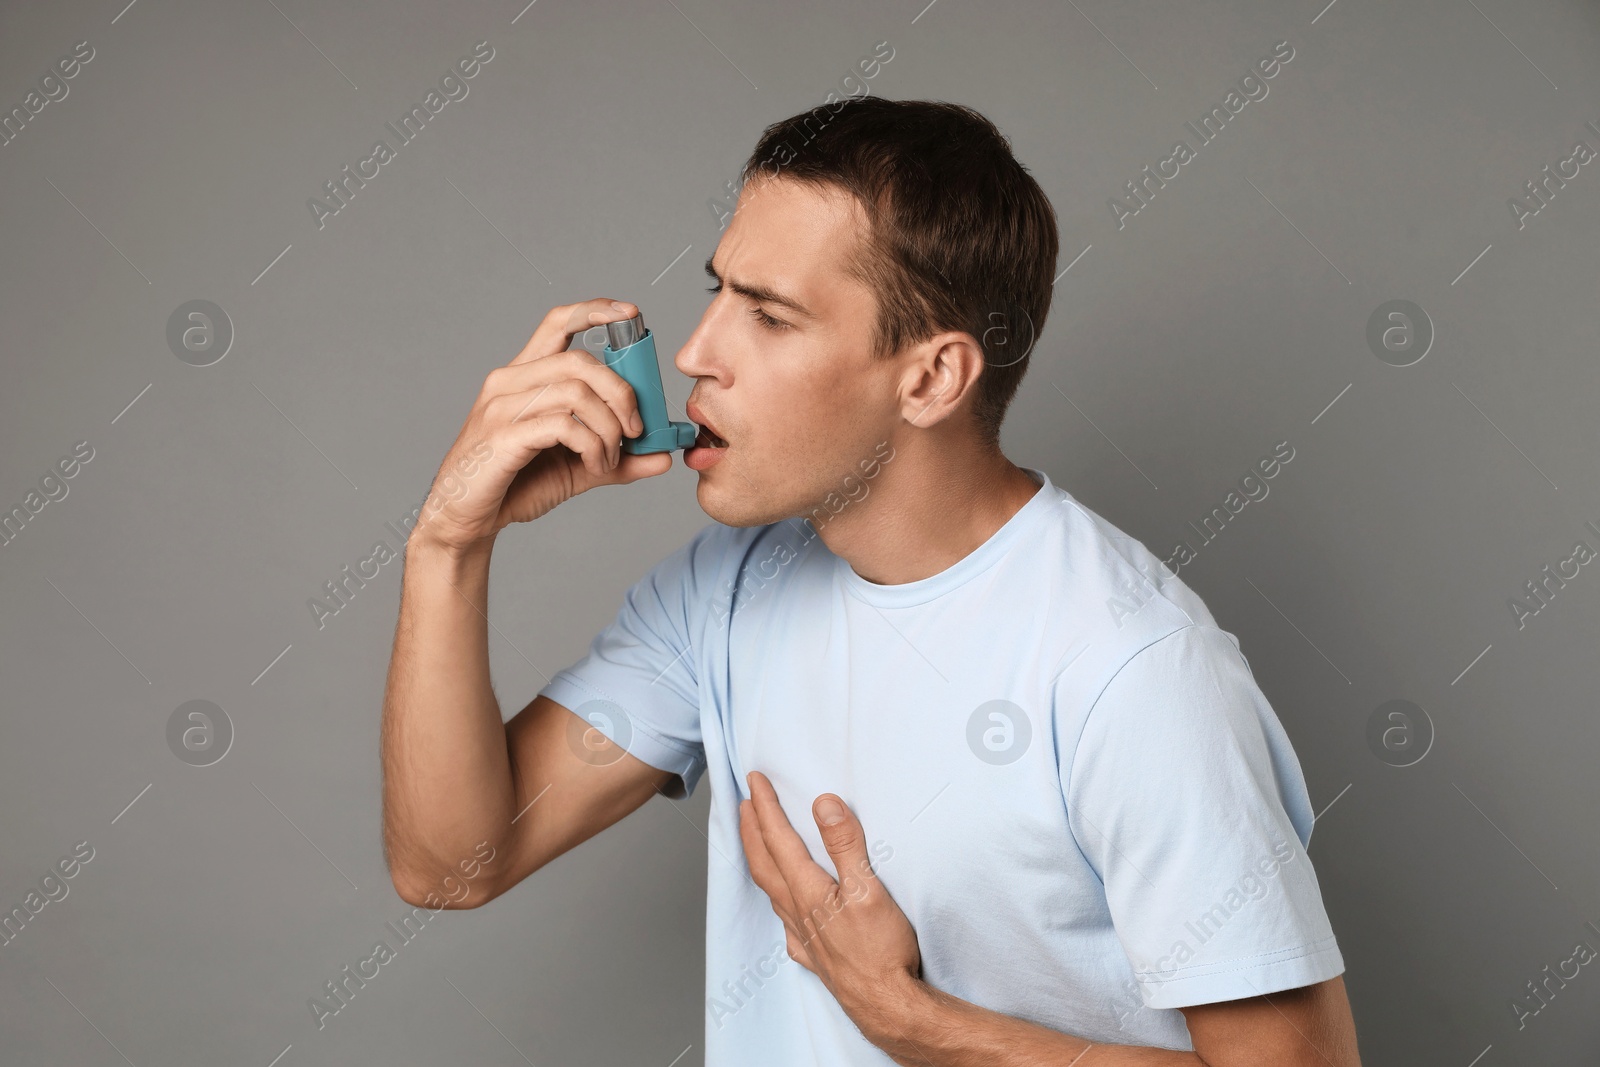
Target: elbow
409,889
407,886
471,883
451,894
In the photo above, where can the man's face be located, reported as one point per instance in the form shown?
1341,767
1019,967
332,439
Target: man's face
795,393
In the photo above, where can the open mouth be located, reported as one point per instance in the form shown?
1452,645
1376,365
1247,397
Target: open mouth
707,438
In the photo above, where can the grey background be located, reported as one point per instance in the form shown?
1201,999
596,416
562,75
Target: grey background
1223,319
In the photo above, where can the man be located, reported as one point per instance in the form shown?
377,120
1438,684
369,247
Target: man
962,811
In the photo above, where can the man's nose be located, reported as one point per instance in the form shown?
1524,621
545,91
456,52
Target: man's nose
694,358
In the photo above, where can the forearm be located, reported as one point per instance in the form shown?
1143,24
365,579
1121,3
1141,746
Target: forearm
447,776
922,1026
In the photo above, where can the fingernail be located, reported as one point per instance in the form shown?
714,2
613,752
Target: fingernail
638,424
617,305
831,810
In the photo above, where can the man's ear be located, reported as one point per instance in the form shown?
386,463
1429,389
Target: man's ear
940,378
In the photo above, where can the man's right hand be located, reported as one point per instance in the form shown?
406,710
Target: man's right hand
523,450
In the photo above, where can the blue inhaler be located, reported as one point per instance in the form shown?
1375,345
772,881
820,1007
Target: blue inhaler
631,352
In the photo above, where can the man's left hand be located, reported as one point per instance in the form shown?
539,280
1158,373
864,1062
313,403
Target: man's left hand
850,933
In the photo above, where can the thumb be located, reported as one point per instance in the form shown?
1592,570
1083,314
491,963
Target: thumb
630,468
646,465
842,836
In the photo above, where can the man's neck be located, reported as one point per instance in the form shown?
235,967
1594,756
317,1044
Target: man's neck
926,512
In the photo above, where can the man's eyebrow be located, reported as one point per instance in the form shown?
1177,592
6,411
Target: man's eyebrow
758,292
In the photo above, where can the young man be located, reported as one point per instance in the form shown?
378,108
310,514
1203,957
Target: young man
965,808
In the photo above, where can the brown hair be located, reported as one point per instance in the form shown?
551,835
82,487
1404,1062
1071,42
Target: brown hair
961,236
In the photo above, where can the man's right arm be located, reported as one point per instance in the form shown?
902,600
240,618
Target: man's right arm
545,427
455,775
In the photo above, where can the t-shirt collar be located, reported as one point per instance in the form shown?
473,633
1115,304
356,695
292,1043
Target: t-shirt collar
980,559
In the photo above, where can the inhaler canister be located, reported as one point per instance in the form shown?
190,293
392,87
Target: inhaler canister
631,352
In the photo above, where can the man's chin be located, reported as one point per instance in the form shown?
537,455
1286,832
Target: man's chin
727,504
731,517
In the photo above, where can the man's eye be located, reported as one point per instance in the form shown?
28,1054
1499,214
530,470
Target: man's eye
767,321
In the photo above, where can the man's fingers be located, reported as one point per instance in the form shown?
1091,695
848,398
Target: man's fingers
520,441
763,871
562,323
571,365
845,840
806,880
798,951
570,396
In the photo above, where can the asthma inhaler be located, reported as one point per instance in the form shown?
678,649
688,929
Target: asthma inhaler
631,352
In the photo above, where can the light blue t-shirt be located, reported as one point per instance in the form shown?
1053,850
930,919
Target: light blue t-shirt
1068,778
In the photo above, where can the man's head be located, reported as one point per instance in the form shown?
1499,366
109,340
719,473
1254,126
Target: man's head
883,278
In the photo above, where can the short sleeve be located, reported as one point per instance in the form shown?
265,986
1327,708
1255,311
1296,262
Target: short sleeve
1186,797
637,684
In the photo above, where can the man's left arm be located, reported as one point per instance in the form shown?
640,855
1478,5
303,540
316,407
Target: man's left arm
851,934
1307,1027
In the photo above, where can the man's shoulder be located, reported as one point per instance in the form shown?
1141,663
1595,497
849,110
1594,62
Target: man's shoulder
1114,608
1126,595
